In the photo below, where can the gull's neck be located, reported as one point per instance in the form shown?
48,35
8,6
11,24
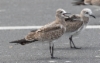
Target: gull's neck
85,19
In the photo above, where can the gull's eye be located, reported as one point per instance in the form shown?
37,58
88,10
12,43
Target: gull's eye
87,13
61,11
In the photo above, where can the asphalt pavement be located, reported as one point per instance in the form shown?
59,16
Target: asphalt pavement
41,12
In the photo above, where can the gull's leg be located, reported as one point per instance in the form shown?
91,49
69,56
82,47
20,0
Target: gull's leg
51,47
70,38
71,42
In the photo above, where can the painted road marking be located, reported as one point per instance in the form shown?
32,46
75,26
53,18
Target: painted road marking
36,27
52,61
67,61
97,56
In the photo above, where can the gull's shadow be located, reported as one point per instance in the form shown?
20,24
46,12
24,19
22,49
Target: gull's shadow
44,58
67,49
83,48
61,58
55,58
48,58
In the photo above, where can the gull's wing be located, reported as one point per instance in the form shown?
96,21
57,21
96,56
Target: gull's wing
49,28
45,33
73,17
74,24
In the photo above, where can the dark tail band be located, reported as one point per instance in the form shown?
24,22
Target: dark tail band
81,2
22,41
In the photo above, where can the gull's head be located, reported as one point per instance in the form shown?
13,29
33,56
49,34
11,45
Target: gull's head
61,13
87,12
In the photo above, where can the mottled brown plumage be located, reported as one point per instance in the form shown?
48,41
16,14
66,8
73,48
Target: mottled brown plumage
94,2
49,32
46,33
73,26
77,23
89,2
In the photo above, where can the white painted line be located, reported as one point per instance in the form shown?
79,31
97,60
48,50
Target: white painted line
97,56
52,61
2,10
36,27
67,61
19,27
93,27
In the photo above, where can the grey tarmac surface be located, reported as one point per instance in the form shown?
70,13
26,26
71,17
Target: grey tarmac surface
40,12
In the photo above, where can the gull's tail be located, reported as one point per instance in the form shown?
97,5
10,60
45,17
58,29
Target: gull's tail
22,41
81,2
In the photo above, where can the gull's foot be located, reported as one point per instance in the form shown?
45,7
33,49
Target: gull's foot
76,47
52,57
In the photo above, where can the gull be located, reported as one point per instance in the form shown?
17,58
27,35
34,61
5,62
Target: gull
76,23
96,3
49,32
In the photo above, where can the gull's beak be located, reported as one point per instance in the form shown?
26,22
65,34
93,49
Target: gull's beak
65,14
93,16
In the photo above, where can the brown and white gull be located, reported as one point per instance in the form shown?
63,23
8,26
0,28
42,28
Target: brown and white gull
48,32
87,2
95,3
77,23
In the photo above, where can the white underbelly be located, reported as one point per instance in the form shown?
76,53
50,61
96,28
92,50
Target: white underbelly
75,33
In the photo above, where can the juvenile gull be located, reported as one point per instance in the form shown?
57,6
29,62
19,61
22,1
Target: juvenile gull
48,32
96,3
87,2
77,23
